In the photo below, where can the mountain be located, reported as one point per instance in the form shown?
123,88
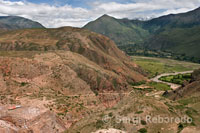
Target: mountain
15,22
182,20
176,34
122,31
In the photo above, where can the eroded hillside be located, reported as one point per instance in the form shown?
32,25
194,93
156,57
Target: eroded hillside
86,47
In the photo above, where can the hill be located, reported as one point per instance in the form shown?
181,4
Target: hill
122,31
15,22
91,59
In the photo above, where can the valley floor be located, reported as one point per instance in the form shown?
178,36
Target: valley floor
156,66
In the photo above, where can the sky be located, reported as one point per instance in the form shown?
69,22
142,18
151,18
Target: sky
77,13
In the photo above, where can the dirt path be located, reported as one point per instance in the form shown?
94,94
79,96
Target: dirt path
172,85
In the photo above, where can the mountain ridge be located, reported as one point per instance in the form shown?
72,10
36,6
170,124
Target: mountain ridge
16,22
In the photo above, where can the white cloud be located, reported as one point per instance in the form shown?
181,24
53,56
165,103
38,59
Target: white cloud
56,16
175,11
147,8
50,16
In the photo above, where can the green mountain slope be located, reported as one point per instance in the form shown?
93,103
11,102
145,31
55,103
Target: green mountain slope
15,22
182,20
184,41
122,31
179,34
176,34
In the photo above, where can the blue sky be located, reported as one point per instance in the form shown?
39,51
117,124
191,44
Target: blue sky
77,13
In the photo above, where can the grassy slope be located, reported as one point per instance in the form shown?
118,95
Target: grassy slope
178,40
176,33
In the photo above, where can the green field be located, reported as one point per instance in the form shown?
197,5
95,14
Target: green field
177,79
156,66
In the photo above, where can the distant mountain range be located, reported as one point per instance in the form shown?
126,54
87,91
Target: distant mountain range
15,22
178,34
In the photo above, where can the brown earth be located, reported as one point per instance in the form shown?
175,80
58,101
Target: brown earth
87,60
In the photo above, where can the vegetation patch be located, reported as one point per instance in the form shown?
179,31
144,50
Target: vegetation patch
142,130
177,79
137,83
159,86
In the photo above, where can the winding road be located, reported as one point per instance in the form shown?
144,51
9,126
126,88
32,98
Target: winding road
172,85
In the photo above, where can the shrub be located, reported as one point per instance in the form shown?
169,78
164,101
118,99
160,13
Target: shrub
143,122
142,130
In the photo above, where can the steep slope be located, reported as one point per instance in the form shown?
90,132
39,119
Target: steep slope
87,60
176,33
184,41
15,22
122,31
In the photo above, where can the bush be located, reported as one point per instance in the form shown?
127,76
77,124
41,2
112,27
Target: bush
143,122
137,83
142,130
180,127
23,84
99,124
